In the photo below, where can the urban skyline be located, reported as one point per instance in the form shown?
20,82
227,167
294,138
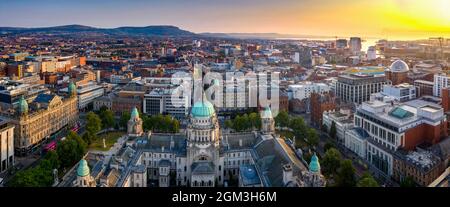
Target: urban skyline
393,19
224,94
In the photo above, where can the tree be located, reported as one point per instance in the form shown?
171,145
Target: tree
367,181
282,119
333,130
255,120
124,119
346,174
328,146
67,151
81,144
229,124
107,117
313,137
39,176
53,159
175,126
88,137
324,128
408,182
71,150
94,123
24,179
239,123
299,127
331,161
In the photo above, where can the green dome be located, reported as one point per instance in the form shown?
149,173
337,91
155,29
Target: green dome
266,113
314,165
83,169
202,109
72,89
23,106
134,113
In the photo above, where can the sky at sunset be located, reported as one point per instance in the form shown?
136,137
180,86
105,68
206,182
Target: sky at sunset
400,19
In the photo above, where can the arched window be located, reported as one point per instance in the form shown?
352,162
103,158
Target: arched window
195,183
209,183
203,183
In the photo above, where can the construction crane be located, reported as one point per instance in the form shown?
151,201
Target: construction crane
440,39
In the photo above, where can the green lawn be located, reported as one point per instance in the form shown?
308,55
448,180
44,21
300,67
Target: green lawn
110,139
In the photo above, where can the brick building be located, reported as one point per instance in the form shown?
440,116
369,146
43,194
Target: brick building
320,103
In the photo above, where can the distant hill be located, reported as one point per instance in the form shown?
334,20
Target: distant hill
74,29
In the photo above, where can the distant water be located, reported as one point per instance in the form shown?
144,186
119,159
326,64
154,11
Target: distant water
365,44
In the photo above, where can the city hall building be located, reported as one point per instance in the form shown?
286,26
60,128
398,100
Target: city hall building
203,156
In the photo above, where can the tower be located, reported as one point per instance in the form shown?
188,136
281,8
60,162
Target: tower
23,106
267,121
135,124
314,177
84,178
203,160
72,90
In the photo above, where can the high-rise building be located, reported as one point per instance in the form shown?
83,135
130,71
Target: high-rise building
358,88
371,53
355,44
424,88
296,57
162,101
303,90
440,81
341,43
